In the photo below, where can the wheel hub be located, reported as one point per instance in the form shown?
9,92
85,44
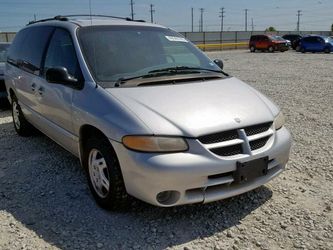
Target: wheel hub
16,115
98,173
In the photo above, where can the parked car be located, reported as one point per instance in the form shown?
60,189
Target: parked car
3,57
315,43
267,42
294,39
146,112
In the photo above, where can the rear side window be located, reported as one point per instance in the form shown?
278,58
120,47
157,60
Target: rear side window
28,47
311,39
61,53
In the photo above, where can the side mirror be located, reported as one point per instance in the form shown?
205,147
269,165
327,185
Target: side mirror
60,75
219,63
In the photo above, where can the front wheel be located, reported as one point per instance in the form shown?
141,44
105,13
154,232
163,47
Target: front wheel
21,125
104,174
270,49
252,49
327,50
302,50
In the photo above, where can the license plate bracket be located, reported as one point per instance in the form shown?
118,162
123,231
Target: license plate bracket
248,171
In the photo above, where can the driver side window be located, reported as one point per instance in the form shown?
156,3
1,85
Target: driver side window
61,53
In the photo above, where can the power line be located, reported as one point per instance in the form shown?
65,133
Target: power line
132,9
298,19
152,11
222,16
246,10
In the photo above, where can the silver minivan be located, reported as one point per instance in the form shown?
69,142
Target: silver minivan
146,112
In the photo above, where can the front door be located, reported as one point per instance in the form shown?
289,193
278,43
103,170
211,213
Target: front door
56,99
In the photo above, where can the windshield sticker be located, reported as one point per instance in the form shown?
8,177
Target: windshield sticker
176,39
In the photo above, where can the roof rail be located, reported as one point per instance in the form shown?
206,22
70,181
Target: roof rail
67,18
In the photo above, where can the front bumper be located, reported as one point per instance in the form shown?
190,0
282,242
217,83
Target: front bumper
281,47
197,175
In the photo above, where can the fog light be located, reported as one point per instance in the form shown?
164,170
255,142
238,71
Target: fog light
168,197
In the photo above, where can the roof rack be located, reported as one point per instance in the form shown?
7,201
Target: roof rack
67,18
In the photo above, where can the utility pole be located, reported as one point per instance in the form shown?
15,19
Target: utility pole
152,11
222,17
192,16
246,10
252,24
298,19
132,9
201,19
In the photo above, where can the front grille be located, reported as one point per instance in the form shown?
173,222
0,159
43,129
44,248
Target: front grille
258,143
219,137
257,129
235,142
228,151
2,86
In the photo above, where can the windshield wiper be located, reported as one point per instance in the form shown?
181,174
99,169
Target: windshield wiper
181,69
165,72
154,73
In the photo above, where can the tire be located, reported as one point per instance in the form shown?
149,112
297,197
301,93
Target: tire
327,50
103,170
302,50
271,49
252,49
21,125
298,49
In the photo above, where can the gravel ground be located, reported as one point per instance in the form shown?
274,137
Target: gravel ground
45,202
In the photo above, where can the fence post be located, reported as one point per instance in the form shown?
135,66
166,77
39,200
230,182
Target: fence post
221,40
204,40
7,39
236,39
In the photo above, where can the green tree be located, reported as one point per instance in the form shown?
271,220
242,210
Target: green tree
271,29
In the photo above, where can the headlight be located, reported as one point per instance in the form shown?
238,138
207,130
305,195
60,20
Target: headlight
279,121
155,143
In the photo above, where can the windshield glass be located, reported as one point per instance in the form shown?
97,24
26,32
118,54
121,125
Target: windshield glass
277,38
3,51
114,52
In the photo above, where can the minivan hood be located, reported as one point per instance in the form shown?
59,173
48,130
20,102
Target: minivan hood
196,109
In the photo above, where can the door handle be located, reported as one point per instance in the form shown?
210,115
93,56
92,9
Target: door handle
40,90
33,86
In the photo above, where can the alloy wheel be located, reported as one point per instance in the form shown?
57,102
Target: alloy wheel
16,115
99,173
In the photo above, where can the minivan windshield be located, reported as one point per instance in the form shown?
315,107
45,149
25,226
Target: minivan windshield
277,38
119,52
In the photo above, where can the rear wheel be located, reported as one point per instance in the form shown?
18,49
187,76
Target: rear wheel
302,50
252,49
21,125
104,174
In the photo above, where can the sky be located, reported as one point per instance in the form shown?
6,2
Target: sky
317,15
